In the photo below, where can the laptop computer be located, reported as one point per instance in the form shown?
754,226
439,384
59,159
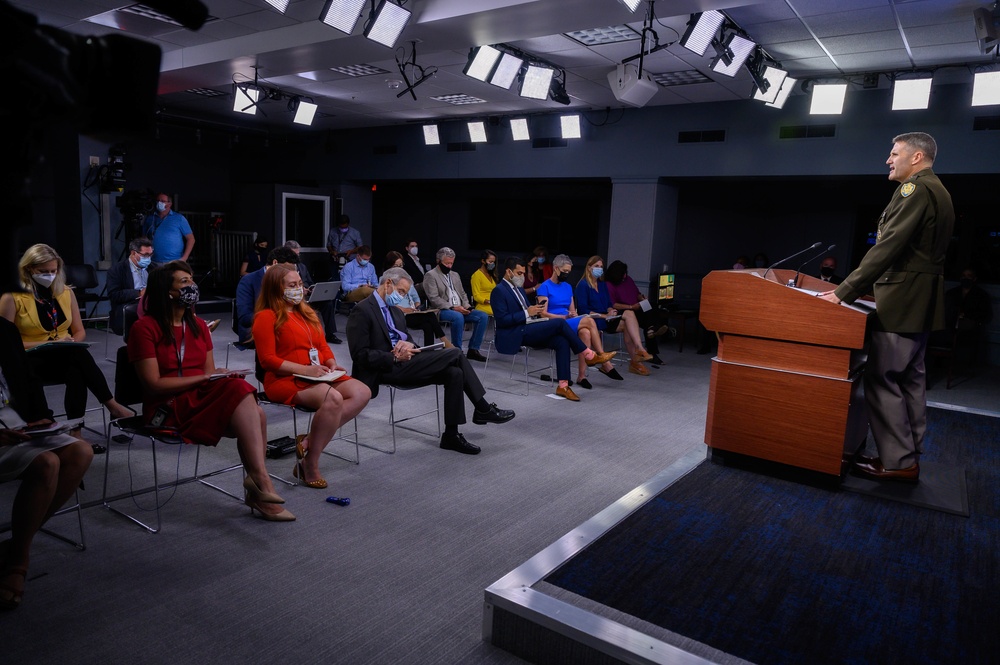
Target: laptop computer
324,291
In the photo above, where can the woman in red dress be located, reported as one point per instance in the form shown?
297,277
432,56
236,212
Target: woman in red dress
290,341
171,350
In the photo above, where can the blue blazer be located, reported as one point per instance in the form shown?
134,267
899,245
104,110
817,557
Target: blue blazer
509,317
246,299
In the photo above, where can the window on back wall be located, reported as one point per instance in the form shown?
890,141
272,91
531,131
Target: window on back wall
566,226
306,218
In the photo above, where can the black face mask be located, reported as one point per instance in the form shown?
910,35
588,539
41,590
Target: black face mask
826,271
445,269
966,283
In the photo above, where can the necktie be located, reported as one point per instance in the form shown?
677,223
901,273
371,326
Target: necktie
394,334
520,298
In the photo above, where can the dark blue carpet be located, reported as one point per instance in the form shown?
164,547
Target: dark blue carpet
775,571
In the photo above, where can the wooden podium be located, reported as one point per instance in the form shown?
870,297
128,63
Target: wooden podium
786,384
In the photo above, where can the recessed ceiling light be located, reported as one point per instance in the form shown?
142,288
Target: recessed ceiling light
359,70
207,92
458,99
668,79
609,35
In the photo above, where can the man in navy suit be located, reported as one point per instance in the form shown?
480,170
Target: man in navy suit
515,327
383,353
127,279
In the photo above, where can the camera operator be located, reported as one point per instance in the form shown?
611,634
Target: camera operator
170,232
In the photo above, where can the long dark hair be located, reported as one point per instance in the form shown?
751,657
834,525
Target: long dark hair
615,272
485,254
158,303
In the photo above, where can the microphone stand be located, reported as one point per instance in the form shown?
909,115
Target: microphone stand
794,282
789,258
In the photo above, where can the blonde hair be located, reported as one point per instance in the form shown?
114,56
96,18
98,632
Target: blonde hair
37,255
589,276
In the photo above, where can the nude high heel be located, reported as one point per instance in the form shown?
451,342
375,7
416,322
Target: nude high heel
255,494
284,516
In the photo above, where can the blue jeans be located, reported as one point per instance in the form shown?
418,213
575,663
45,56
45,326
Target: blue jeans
456,321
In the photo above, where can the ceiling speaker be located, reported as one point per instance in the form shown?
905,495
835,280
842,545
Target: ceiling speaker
627,86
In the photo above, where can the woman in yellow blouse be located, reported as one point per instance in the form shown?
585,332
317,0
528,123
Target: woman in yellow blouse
484,281
47,313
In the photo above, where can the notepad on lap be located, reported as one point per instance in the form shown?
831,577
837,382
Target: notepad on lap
326,378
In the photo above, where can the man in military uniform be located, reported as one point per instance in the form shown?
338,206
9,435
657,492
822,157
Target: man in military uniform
906,268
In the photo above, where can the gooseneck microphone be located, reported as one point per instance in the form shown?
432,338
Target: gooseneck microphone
789,258
795,281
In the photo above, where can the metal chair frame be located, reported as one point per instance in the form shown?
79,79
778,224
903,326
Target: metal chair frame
491,349
394,422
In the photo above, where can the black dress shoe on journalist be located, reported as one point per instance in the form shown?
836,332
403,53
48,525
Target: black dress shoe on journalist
494,415
333,339
585,383
98,449
458,443
474,354
872,468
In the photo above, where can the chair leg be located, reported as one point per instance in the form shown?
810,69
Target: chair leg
82,543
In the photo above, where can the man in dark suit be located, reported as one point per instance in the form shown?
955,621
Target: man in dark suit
906,268
383,353
828,271
515,327
127,279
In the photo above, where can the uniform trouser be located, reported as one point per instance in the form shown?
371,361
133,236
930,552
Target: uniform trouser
445,367
896,394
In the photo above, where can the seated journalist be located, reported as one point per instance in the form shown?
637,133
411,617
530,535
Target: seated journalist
383,353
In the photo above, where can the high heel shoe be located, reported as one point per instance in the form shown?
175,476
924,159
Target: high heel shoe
284,516
14,596
299,472
254,493
300,450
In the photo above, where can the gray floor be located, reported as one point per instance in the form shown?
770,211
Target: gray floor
396,577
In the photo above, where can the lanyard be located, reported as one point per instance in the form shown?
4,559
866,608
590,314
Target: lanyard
308,330
179,350
50,311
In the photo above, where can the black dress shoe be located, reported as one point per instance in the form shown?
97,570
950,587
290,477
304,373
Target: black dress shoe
458,443
873,469
494,415
474,354
333,339
585,383
98,449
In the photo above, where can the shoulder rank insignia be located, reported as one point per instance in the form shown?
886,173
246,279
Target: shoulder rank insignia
907,189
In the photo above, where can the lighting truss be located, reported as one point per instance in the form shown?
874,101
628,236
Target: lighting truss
386,23
342,14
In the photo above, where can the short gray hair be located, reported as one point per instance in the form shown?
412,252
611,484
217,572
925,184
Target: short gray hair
395,275
920,142
445,253
291,244
561,260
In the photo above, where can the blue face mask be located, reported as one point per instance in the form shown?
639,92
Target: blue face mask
144,261
395,299
160,206
541,260
363,262
597,272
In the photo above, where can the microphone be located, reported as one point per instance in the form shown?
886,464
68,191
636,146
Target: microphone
795,280
789,258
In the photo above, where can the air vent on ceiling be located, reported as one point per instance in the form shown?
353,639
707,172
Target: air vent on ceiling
707,136
462,146
384,150
807,132
986,123
549,143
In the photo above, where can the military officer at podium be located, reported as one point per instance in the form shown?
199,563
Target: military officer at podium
906,269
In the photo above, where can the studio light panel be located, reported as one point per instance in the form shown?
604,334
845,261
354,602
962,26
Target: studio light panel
986,89
506,71
482,62
828,99
431,136
703,29
387,23
536,82
305,113
519,129
477,132
342,14
741,49
570,126
910,95
775,78
246,100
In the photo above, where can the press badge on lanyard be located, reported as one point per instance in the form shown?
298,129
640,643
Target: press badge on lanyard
313,356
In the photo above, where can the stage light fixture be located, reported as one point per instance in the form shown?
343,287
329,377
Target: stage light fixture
386,23
570,125
431,136
632,4
482,60
304,112
280,5
828,99
506,71
477,131
557,89
734,52
519,129
536,82
911,94
786,89
245,99
702,29
772,79
986,89
342,14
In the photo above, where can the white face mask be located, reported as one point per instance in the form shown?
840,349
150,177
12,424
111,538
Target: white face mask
44,279
518,281
294,296
413,251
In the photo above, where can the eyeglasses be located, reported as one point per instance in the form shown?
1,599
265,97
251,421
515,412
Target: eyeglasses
145,256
